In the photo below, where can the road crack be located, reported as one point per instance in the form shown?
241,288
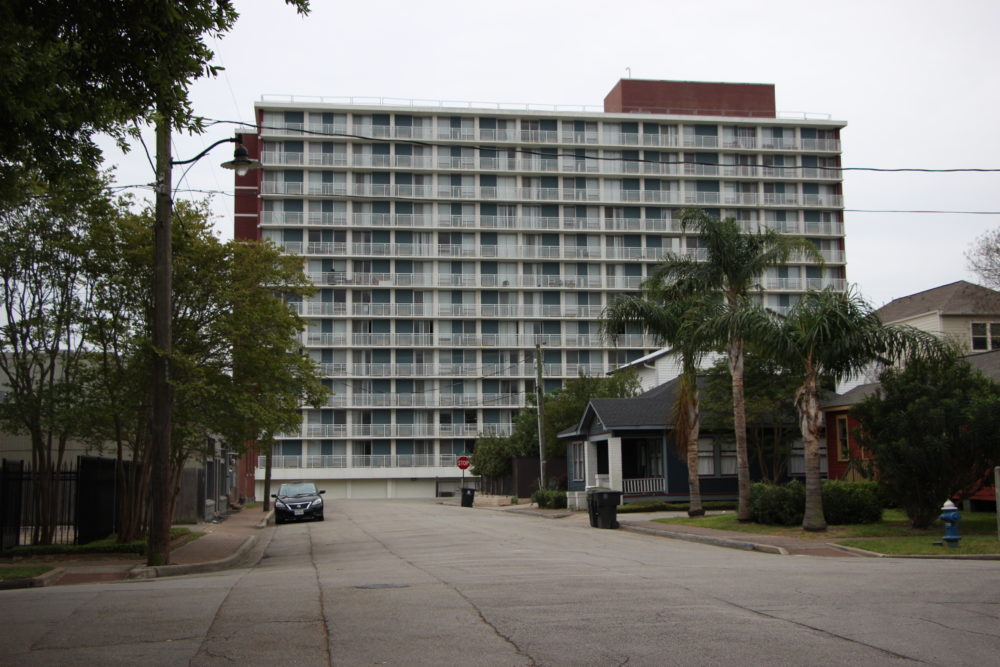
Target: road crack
479,612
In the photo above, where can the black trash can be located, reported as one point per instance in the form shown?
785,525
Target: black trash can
592,507
607,508
468,495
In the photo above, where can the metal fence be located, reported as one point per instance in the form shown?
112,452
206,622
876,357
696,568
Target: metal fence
77,502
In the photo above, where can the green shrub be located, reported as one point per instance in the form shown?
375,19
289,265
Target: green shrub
778,505
843,503
851,502
549,498
663,506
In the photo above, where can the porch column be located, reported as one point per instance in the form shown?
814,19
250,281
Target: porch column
615,464
590,463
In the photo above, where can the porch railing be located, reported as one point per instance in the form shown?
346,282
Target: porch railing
643,485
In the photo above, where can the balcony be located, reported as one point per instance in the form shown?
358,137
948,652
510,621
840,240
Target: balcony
489,134
667,139
282,188
699,141
782,144
573,137
826,228
328,128
826,145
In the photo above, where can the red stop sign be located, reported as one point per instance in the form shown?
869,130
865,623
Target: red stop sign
463,462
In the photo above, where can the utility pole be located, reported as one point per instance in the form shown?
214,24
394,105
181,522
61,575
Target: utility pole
540,394
158,551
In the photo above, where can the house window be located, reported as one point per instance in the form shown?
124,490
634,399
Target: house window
578,466
727,458
716,458
843,449
986,335
706,457
797,459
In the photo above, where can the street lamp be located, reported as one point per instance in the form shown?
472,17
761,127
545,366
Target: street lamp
158,551
241,162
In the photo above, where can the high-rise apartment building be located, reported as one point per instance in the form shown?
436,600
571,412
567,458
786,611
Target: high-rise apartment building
449,243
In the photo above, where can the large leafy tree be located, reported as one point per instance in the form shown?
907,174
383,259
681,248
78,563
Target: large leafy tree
934,429
827,334
676,320
74,68
563,409
237,368
732,264
770,410
46,289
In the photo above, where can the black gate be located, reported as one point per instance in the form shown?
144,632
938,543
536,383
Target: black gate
95,499
11,475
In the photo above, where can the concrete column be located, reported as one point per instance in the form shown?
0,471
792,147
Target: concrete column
615,464
590,463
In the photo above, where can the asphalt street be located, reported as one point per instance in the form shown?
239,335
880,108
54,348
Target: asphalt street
416,583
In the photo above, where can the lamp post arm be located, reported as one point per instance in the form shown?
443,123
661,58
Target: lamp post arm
231,140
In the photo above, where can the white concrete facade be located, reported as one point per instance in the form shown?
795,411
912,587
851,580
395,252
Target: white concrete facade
447,242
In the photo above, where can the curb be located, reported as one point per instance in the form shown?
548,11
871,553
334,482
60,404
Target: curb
708,539
151,572
268,520
44,579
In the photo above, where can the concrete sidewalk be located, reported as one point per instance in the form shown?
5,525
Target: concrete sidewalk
237,541
645,523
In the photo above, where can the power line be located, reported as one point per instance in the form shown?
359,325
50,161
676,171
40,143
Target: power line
584,156
932,211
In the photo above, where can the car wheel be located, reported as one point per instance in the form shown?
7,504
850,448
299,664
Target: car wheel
278,520
319,517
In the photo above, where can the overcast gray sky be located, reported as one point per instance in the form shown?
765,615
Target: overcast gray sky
917,82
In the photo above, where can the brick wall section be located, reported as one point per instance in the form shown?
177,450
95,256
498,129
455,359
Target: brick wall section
753,100
247,188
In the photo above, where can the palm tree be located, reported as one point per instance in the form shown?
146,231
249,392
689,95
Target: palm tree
732,264
676,322
827,334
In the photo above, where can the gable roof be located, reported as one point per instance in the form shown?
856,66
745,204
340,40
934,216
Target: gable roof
849,398
652,409
957,298
988,363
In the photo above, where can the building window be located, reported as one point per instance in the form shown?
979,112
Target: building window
843,448
578,465
986,335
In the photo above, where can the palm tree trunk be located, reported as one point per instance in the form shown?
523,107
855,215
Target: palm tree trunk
807,403
736,357
695,507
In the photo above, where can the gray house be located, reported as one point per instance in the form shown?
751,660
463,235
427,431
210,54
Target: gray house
626,444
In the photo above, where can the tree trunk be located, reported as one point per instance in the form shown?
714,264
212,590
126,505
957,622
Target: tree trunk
735,352
807,403
267,476
695,507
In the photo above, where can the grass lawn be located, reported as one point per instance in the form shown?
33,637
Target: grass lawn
892,535
22,571
179,535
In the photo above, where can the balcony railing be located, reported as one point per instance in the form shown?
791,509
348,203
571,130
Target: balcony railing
360,461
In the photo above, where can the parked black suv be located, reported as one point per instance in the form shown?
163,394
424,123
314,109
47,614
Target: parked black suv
297,501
